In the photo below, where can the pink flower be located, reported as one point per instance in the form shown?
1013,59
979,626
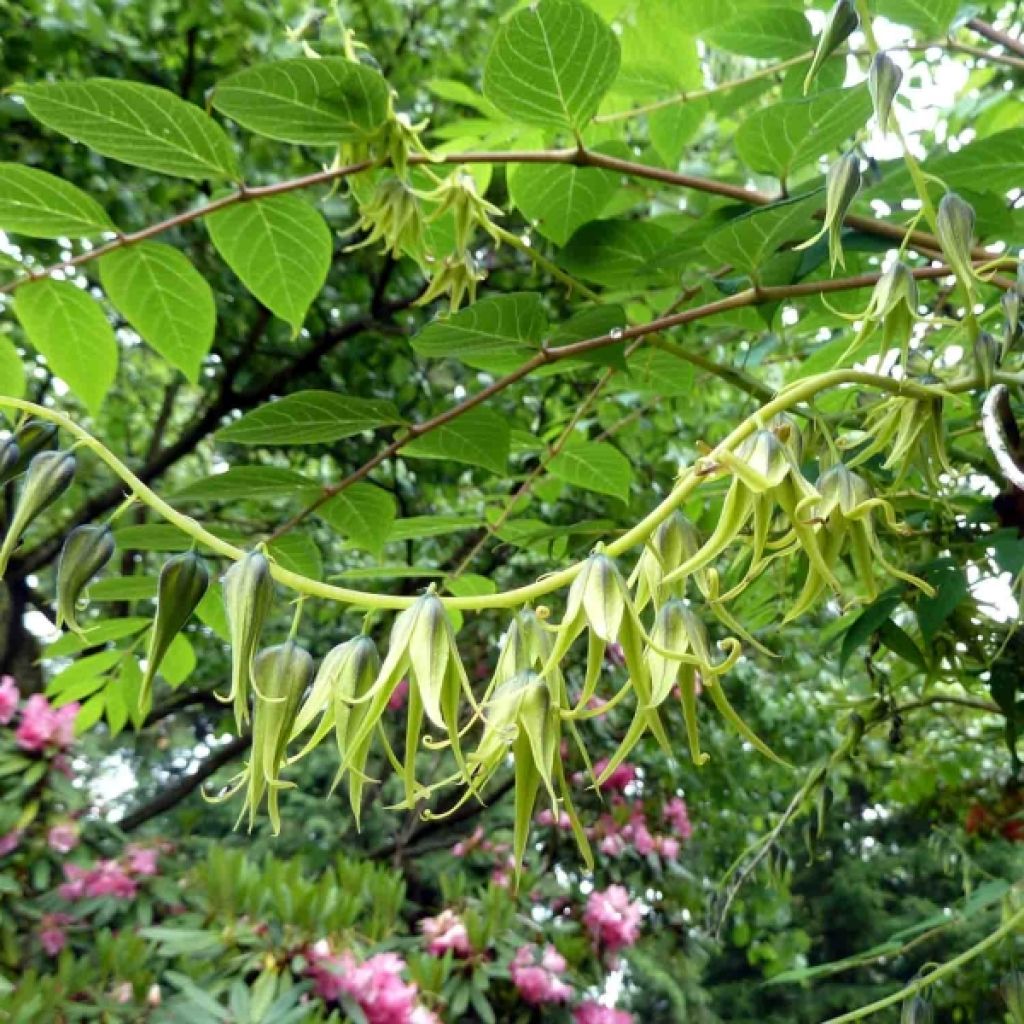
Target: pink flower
421,1015
399,696
9,842
468,845
539,983
594,1013
52,936
612,919
546,818
667,847
9,697
616,655
62,837
376,985
43,726
619,779
141,860
677,815
107,878
444,932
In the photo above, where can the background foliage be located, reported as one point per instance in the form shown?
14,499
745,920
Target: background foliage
885,857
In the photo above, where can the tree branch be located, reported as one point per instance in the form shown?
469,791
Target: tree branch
185,786
995,35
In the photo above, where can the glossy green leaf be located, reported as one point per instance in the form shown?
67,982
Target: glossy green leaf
165,299
495,334
763,32
560,198
551,63
657,372
932,18
239,483
35,203
479,437
67,326
298,552
304,100
617,253
12,370
362,513
594,466
279,247
310,417
786,136
749,240
141,125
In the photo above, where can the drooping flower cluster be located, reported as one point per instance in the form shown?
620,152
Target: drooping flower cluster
118,878
375,984
594,1013
537,974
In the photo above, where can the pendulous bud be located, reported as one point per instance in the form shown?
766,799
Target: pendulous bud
248,594
10,457
183,581
49,476
86,550
917,1010
31,437
841,22
955,227
842,183
986,357
884,78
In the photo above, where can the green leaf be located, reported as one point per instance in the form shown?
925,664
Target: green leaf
867,623
89,713
560,198
931,18
985,165
951,588
92,666
417,527
785,136
362,513
551,63
123,588
179,661
310,417
747,241
298,552
659,51
100,633
318,102
764,32
479,437
35,203
67,326
496,334
141,125
165,299
249,482
279,247
899,642
657,372
12,370
594,466
617,253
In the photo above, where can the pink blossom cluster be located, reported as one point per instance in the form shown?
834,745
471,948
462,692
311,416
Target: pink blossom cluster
62,836
116,878
626,826
52,935
375,984
537,978
446,932
41,726
504,865
676,814
594,1013
612,919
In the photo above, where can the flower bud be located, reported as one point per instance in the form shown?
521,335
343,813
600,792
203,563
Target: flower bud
280,676
49,476
955,227
31,438
430,647
10,458
884,78
986,357
248,594
671,544
86,550
842,183
841,22
1011,323
761,462
541,728
917,1010
183,581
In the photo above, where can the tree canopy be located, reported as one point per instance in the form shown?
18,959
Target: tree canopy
512,512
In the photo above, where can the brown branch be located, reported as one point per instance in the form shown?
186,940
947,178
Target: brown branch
577,156
995,35
184,787
748,297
